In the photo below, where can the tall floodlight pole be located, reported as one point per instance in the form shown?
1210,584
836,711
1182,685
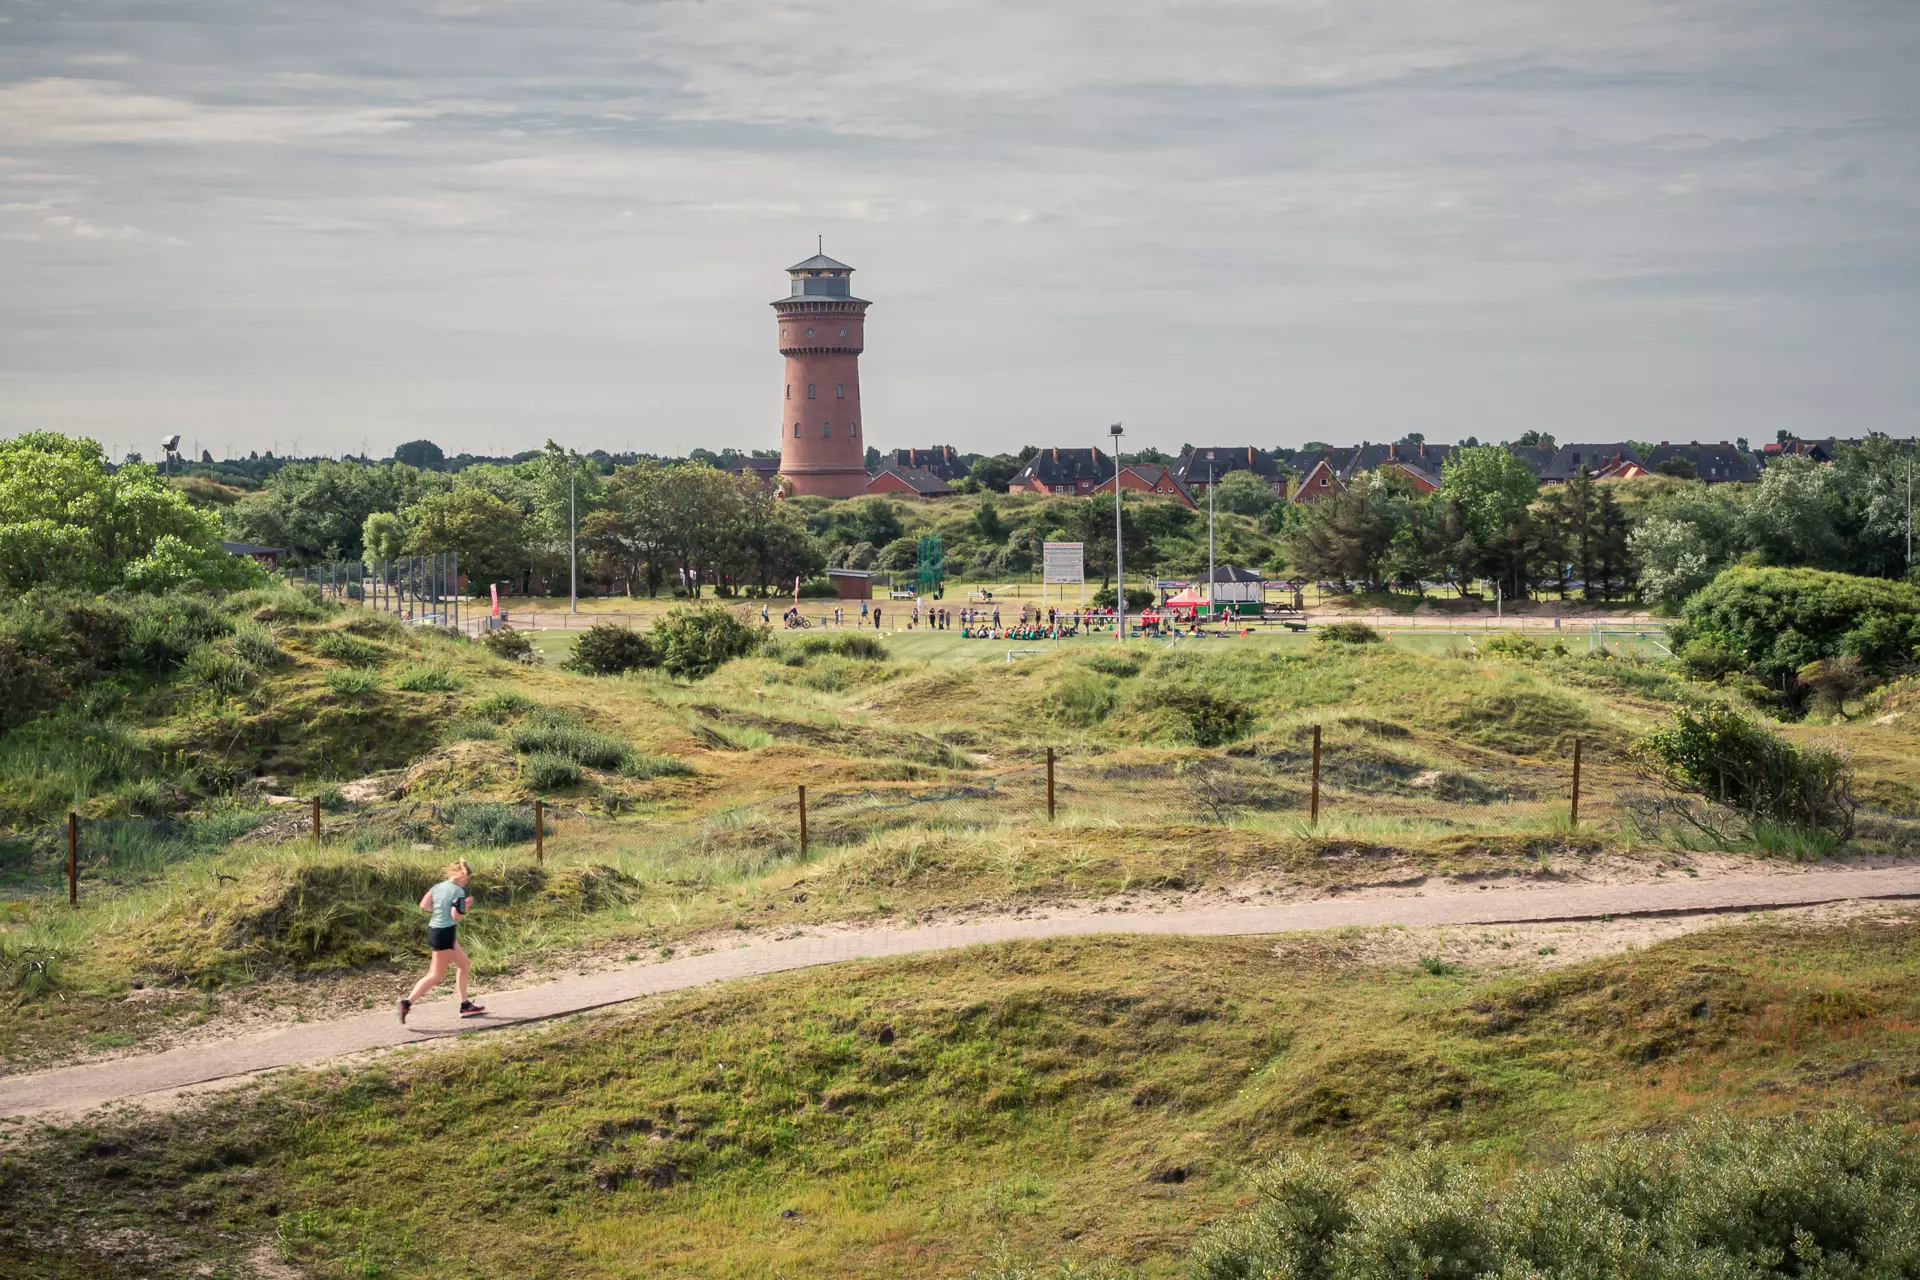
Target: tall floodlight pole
1212,585
1119,563
573,541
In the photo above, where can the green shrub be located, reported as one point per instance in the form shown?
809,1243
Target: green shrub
549,771
1780,620
353,682
1214,718
351,650
1709,659
374,625
1080,699
856,645
1347,633
562,734
503,706
257,643
641,765
1521,648
277,604
217,670
29,971
332,798
1820,1197
1113,664
1138,598
427,677
1717,752
510,646
492,825
470,728
609,649
163,630
694,641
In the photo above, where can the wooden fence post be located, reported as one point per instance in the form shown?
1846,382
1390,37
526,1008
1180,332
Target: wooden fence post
803,822
1049,784
1573,815
1313,813
316,819
73,859
540,832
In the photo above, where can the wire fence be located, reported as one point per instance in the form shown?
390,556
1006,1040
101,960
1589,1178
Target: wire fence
1350,779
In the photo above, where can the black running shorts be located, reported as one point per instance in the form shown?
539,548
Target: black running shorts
441,939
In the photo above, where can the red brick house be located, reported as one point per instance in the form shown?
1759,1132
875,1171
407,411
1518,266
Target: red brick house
1319,483
1138,477
909,480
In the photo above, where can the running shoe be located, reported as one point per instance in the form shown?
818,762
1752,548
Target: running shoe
468,1009
402,1007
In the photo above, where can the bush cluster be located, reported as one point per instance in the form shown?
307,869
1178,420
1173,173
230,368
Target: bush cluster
1822,1198
609,649
1776,623
1214,718
561,734
1348,633
53,645
491,825
510,646
1714,751
856,645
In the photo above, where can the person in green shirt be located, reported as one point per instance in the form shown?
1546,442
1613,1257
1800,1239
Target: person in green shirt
447,904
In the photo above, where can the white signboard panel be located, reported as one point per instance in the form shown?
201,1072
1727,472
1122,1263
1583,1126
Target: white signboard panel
1064,562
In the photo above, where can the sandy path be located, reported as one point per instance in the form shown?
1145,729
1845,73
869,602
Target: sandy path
79,1087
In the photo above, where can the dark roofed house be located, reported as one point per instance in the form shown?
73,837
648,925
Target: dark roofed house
1197,467
1538,457
1718,463
1075,471
908,480
1418,459
762,469
1596,458
268,556
946,462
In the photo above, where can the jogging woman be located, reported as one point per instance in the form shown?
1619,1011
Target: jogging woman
447,903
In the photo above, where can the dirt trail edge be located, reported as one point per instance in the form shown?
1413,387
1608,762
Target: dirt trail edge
76,1088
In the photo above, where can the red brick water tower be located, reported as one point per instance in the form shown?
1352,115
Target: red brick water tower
822,332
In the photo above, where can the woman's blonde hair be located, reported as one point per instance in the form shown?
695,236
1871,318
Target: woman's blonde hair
458,867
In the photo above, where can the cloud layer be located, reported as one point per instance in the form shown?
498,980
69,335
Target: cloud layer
493,223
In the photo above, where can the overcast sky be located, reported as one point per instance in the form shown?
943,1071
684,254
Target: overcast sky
268,224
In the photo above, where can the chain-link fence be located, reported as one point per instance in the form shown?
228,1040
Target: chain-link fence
424,589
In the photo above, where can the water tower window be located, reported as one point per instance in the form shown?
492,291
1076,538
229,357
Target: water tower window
796,431
843,333
789,391
809,391
826,429
854,430
809,331
839,391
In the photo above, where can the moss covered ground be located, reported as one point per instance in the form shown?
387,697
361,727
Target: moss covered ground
1094,1098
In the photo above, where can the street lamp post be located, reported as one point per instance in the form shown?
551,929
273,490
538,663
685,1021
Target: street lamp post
1119,563
573,542
1212,585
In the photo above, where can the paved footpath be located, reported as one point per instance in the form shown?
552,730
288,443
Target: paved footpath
76,1088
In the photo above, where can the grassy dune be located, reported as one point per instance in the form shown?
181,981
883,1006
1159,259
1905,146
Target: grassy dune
1179,769
1099,1098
